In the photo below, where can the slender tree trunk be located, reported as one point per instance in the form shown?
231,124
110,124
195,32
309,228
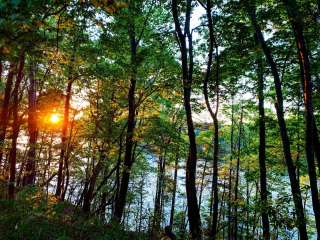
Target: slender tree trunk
89,194
183,224
66,161
236,187
156,200
193,208
163,183
131,122
212,44
87,197
141,203
202,181
175,177
16,128
303,56
65,130
230,219
254,227
47,167
5,108
295,186
158,209
316,144
103,206
66,176
157,205
221,216
1,69
215,168
117,180
22,165
187,71
247,204
30,173
262,153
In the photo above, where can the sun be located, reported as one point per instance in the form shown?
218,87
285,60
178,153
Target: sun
54,118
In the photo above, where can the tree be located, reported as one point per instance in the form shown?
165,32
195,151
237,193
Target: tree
135,115
16,126
214,114
296,22
187,71
128,160
30,172
295,188
262,151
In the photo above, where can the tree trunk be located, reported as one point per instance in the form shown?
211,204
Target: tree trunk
236,187
48,165
230,217
64,135
187,71
262,153
247,203
88,195
157,203
1,69
5,108
66,161
30,173
296,22
316,144
102,207
221,216
131,122
214,116
141,187
19,178
295,186
15,128
175,177
202,181
215,180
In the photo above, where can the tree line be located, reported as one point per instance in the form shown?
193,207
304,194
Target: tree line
198,116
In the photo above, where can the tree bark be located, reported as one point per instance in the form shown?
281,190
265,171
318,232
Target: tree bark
230,220
316,144
262,153
247,203
157,204
236,187
30,172
131,122
175,177
141,187
5,108
1,69
202,181
295,186
15,128
87,197
303,56
187,71
214,116
64,134
117,180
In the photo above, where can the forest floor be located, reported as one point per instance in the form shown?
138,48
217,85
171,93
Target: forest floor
36,216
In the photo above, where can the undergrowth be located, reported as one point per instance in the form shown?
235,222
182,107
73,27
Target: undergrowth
37,216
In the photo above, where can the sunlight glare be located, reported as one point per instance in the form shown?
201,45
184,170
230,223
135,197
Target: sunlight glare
54,118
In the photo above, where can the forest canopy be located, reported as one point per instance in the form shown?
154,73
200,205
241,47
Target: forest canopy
156,119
